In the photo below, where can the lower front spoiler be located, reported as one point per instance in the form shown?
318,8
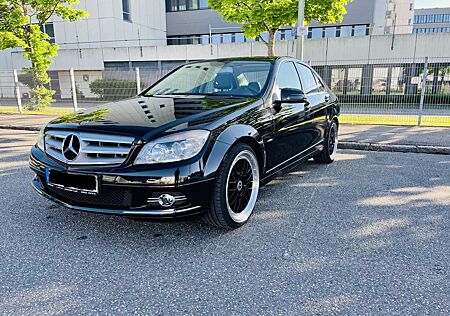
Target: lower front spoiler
168,213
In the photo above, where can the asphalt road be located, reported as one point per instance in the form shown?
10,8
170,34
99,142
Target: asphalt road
366,235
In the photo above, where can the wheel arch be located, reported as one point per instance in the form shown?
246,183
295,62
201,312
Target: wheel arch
228,138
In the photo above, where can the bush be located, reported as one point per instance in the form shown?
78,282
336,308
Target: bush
112,89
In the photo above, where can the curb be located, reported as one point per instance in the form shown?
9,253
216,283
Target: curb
20,128
423,149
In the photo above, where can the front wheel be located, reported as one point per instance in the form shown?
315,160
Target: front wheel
328,154
236,189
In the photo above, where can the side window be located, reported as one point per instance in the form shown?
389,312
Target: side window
319,83
309,83
288,77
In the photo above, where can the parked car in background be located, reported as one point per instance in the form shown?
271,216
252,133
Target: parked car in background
202,140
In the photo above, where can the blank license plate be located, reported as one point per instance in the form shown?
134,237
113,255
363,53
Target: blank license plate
80,183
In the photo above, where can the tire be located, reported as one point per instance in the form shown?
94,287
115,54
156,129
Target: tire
328,154
236,189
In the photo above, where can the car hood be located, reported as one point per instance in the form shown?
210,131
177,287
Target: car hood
145,116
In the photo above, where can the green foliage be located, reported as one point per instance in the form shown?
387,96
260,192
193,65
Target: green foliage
259,16
112,89
79,117
20,26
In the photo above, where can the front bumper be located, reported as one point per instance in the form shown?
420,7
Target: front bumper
127,194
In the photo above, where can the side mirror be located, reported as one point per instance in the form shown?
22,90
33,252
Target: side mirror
289,95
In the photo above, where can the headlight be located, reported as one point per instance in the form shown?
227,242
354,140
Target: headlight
41,139
175,147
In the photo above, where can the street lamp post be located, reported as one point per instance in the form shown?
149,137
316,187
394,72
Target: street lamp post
300,23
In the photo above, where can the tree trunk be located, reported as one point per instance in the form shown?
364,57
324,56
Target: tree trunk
271,44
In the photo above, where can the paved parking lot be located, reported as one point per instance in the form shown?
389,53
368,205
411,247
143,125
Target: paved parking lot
368,234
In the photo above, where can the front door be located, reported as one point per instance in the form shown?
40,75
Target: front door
290,121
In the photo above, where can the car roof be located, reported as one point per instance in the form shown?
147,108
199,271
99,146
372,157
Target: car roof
253,58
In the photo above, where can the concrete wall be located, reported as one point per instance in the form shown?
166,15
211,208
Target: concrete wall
197,22
105,26
349,49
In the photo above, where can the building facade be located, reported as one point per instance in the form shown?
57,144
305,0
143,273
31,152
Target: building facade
191,22
435,20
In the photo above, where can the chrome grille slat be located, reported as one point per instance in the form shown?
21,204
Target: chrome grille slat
95,148
50,141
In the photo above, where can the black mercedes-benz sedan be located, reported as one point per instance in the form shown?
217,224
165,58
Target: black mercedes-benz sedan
202,140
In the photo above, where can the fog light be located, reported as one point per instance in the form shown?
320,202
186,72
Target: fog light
166,200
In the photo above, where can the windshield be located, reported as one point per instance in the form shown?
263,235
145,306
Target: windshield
241,78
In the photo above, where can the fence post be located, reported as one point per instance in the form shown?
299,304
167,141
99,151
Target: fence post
424,88
17,90
138,81
74,90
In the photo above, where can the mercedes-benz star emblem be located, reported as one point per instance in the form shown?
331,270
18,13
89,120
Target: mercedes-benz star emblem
71,147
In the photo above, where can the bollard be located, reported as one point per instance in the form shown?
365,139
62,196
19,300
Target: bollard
424,88
17,91
74,90
138,81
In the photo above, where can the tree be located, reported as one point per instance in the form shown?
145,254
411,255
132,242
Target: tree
21,24
258,16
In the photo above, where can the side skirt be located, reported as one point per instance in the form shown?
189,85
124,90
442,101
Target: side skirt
286,167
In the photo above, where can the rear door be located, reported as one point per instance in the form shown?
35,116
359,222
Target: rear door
289,137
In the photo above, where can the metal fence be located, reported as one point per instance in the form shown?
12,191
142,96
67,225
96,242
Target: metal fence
399,92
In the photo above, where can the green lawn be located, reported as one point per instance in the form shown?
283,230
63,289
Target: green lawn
47,111
411,120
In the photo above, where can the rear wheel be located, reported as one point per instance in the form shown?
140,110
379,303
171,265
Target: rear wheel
328,154
236,189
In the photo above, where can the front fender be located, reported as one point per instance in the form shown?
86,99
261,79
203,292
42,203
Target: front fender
230,136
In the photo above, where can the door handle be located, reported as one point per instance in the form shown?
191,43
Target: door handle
307,106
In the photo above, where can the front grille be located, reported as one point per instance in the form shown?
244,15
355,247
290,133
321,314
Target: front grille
95,148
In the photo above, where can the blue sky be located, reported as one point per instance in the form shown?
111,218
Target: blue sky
418,4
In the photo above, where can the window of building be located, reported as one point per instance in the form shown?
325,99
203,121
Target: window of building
307,78
346,31
183,5
360,30
239,38
126,10
338,80
117,65
193,4
330,31
354,79
216,38
379,80
204,39
317,32
49,30
397,80
227,38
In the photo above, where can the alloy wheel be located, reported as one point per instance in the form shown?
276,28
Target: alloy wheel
242,186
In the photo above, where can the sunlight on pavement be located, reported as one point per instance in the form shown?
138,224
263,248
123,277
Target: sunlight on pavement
379,227
419,196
